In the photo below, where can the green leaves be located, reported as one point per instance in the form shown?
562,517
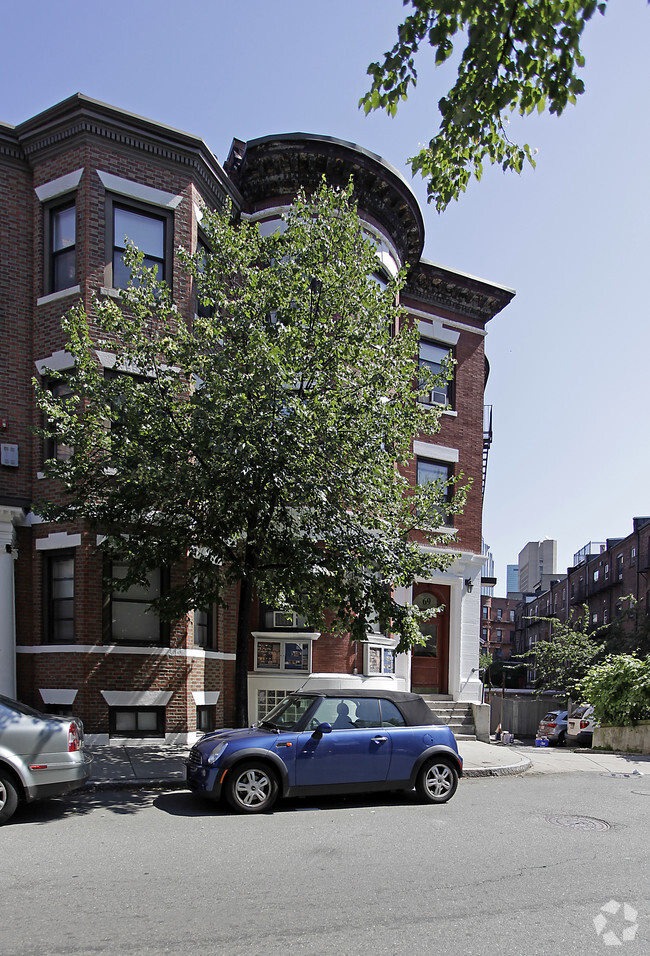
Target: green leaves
619,689
517,57
562,661
257,442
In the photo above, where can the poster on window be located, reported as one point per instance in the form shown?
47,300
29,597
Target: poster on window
374,660
295,657
389,661
268,654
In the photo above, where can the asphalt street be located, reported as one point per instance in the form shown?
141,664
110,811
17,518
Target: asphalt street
517,864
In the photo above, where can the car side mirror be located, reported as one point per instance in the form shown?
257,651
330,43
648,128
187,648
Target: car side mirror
322,729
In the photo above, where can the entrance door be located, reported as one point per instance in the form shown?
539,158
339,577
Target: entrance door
430,663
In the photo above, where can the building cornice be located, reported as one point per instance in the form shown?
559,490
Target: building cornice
80,116
457,292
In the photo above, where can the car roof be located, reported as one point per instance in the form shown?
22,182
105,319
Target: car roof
414,708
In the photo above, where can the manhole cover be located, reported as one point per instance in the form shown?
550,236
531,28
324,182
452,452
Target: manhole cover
576,823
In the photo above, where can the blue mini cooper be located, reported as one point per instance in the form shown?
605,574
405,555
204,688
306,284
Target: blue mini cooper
329,742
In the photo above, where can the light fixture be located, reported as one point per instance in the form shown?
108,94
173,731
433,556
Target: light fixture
469,584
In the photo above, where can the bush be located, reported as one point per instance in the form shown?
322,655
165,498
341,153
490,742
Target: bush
619,689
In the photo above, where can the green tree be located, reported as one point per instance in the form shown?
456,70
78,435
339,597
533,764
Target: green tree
619,689
257,446
562,661
517,55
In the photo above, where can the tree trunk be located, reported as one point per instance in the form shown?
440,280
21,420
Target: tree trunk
241,652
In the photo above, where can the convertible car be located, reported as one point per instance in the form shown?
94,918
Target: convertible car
329,742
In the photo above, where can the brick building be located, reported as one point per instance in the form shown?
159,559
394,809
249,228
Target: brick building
498,626
609,580
73,181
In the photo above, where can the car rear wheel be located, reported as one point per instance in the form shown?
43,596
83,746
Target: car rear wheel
8,798
251,788
437,781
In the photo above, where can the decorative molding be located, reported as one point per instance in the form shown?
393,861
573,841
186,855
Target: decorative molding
57,540
440,452
135,190
434,330
59,186
104,649
61,294
58,695
205,698
136,698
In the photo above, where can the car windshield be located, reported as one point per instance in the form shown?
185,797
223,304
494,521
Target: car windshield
288,713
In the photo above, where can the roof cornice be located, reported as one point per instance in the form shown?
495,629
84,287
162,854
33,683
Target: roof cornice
80,115
454,291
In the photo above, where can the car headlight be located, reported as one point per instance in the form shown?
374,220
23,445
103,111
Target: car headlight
216,753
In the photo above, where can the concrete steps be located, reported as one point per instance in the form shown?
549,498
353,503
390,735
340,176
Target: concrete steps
457,715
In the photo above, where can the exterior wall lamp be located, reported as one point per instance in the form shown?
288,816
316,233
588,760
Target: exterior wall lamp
469,584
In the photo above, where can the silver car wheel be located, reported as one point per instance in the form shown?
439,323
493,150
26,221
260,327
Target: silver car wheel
437,781
251,788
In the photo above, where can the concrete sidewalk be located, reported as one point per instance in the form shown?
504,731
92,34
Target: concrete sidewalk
127,767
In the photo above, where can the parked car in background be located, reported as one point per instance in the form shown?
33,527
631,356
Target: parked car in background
554,727
580,727
41,755
329,742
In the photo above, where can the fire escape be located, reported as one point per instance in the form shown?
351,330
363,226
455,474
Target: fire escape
487,441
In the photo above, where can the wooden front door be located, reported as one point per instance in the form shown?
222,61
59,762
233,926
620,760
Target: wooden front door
430,663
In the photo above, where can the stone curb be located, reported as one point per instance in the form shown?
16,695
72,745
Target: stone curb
149,783
506,771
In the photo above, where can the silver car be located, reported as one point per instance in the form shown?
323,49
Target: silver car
40,755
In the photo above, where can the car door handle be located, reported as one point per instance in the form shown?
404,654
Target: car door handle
379,740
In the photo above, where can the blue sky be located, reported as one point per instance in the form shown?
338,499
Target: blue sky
569,357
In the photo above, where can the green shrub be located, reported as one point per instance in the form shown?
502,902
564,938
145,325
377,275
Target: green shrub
619,689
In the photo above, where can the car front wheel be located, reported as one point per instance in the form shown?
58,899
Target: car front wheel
251,788
437,781
8,798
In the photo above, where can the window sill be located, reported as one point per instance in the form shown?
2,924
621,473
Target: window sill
110,292
61,294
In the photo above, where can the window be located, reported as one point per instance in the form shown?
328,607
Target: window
594,617
484,633
596,575
205,718
131,619
606,571
268,699
390,715
205,311
619,567
54,448
499,636
605,616
152,233
512,614
59,597
381,660
484,612
204,630
282,655
499,614
61,225
432,357
136,721
346,713
632,557
437,471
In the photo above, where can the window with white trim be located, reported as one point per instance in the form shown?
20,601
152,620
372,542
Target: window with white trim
381,659
58,590
432,356
438,471
282,655
130,619
150,231
61,244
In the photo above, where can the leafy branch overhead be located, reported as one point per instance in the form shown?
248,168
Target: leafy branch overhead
518,56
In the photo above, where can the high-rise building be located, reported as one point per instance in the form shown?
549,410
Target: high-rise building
512,578
535,560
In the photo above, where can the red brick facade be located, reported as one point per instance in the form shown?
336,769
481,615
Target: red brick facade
84,152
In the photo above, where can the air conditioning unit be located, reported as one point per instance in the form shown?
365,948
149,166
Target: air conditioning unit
283,619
